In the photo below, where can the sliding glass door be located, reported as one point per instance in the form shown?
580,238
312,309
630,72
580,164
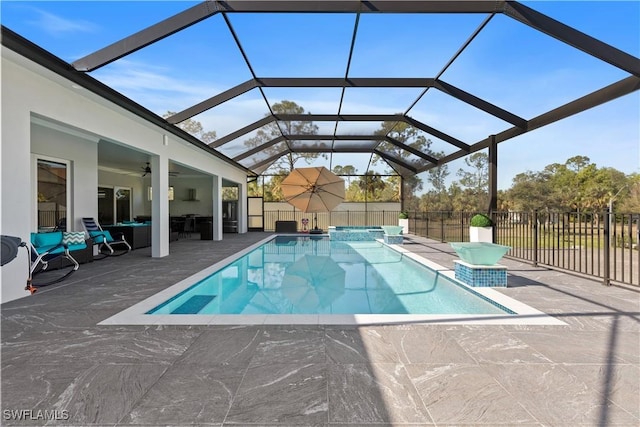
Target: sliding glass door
123,204
114,205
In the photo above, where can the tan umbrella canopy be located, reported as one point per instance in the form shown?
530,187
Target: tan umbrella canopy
314,189
313,282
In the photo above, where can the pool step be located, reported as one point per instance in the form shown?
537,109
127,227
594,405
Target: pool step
194,304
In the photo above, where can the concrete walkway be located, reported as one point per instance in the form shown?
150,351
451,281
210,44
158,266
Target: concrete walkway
57,363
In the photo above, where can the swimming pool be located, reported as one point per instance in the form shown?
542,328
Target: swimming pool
300,275
364,283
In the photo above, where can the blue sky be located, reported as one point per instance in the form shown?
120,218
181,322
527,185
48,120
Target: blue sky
508,64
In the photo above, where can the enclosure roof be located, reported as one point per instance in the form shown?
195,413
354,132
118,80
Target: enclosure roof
361,37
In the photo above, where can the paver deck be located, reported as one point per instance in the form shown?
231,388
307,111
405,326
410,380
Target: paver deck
56,358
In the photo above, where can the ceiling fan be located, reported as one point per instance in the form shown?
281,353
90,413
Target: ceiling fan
147,170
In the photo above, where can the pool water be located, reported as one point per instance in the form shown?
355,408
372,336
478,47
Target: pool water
311,275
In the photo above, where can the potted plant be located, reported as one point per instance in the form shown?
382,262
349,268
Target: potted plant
481,229
403,221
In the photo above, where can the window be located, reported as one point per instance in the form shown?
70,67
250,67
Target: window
52,194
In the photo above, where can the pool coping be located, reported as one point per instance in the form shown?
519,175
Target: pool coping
135,315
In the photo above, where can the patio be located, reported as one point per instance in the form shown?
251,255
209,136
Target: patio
55,358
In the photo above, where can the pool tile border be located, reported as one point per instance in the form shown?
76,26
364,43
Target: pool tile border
135,315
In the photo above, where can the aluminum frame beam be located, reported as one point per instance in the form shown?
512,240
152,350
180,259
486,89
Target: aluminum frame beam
572,37
480,104
259,148
411,150
209,8
601,96
342,117
237,134
393,159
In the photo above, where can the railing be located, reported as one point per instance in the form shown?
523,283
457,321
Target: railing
592,243
49,219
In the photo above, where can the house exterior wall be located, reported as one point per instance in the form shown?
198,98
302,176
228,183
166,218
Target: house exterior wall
43,113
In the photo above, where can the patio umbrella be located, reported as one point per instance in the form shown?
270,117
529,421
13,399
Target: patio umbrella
313,282
314,189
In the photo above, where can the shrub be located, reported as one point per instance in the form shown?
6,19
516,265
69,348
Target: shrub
481,220
403,215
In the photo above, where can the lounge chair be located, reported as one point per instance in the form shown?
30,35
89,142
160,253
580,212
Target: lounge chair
46,249
104,240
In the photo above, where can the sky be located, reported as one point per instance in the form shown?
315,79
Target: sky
508,64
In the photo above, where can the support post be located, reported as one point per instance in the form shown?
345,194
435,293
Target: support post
535,238
493,182
607,249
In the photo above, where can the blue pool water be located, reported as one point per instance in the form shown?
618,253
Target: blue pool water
311,275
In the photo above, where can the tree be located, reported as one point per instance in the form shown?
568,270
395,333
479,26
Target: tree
412,137
194,128
287,162
529,191
476,180
630,202
576,184
272,188
347,171
437,176
371,184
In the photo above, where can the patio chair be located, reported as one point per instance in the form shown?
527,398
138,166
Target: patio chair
104,240
46,249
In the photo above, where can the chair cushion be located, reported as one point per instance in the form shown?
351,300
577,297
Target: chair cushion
46,239
100,236
73,237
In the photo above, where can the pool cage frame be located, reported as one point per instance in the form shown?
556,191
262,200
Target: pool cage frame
380,145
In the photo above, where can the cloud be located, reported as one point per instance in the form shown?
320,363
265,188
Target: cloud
56,25
154,86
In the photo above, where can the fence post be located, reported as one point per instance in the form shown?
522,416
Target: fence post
535,238
442,226
607,249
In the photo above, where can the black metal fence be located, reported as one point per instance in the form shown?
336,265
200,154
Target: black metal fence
592,243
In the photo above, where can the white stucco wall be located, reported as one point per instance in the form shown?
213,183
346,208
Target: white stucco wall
78,120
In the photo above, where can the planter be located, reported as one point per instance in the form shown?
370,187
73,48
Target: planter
404,223
481,234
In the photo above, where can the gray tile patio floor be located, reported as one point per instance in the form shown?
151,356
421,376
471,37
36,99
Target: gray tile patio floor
56,359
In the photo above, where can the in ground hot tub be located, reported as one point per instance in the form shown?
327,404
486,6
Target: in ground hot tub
355,234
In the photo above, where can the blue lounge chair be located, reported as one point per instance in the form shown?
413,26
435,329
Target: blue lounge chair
104,239
46,247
